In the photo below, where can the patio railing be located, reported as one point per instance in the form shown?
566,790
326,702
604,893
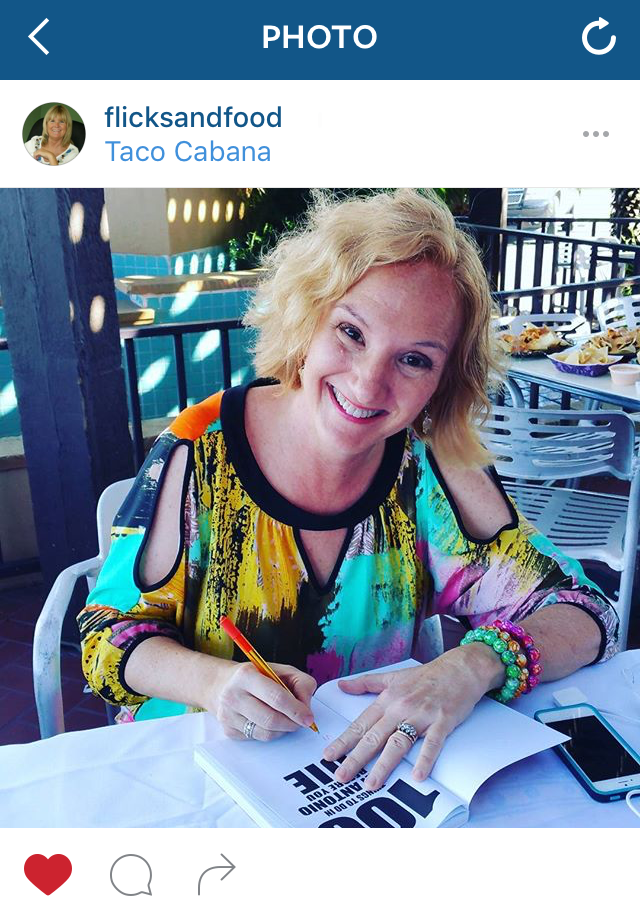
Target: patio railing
176,331
19,565
574,297
599,226
515,259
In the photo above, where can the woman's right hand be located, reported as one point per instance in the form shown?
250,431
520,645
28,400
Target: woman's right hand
46,155
241,693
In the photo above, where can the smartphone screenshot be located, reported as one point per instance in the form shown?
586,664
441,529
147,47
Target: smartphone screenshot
319,470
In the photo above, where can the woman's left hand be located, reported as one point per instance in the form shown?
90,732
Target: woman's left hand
433,698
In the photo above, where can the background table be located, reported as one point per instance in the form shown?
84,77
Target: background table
539,371
143,775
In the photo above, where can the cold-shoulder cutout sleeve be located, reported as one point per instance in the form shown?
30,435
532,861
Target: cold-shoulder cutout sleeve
121,611
511,575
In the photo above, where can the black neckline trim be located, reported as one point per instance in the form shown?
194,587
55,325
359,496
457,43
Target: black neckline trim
265,496
315,583
456,512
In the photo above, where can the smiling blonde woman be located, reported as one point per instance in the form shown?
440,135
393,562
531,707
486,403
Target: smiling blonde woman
332,505
54,147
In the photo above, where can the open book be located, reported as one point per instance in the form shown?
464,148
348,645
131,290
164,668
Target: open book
287,783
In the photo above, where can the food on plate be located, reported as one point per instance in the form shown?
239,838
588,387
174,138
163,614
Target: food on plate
531,338
619,340
589,353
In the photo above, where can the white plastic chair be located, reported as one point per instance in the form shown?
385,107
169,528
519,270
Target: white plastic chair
619,312
544,445
47,686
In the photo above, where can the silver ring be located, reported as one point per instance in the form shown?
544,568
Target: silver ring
249,727
407,730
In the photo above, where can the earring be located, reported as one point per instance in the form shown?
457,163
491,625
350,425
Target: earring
426,423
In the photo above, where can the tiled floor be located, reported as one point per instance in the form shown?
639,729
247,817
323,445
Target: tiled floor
19,609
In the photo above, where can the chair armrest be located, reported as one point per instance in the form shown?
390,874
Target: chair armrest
47,686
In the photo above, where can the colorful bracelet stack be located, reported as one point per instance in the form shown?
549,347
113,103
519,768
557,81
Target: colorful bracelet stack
517,652
531,652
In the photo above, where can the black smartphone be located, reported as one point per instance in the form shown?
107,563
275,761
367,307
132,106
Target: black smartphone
606,766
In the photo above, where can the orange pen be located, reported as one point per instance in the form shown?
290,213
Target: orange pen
252,654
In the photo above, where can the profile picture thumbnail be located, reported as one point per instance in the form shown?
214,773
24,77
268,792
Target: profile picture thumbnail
53,134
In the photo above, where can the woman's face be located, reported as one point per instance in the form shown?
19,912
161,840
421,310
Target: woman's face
377,358
56,127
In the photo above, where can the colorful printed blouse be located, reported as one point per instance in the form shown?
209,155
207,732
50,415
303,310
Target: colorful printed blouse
406,555
65,157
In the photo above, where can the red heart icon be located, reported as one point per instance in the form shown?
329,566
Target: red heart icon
47,873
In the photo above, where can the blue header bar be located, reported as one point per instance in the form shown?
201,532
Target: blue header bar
138,39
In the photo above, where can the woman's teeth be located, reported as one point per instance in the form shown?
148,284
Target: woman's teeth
350,409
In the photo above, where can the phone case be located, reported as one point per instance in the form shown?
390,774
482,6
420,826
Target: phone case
574,768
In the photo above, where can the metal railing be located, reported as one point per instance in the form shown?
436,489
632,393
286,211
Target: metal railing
600,226
517,259
20,565
509,301
176,331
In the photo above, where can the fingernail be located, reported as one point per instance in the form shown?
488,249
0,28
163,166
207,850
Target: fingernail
308,720
419,774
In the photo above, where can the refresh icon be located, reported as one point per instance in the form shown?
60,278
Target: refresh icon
597,24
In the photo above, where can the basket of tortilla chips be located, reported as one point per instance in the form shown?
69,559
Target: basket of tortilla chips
586,359
620,342
533,341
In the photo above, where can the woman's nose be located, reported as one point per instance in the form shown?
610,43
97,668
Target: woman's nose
370,380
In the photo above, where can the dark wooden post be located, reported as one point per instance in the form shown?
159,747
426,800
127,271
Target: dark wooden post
62,329
488,207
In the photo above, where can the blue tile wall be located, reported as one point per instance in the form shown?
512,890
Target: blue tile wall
155,358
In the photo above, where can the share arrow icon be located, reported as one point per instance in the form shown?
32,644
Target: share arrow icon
33,38
228,867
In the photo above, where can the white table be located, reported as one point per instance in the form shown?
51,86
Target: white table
541,372
143,775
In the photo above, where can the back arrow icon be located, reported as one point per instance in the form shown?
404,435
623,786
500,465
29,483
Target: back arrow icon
35,32
598,24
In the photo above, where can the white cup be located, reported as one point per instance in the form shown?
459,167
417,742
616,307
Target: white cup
624,374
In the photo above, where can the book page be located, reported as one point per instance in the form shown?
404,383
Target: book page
492,737
287,782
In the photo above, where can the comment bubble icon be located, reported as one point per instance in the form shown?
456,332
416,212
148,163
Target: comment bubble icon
131,875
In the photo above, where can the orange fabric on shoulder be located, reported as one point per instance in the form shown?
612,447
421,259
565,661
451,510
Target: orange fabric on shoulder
193,421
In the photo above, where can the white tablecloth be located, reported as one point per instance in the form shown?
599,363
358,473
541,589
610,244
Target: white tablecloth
143,775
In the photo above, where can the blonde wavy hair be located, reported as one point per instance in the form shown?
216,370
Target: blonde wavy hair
64,112
313,266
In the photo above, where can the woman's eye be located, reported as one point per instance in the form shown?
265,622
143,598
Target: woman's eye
417,362
351,332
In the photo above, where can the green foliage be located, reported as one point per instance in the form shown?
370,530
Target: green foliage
626,203
268,213
271,211
456,199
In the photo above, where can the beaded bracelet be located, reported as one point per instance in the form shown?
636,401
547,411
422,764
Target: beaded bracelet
531,652
510,652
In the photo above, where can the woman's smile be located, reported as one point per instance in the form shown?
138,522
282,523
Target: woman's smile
353,412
